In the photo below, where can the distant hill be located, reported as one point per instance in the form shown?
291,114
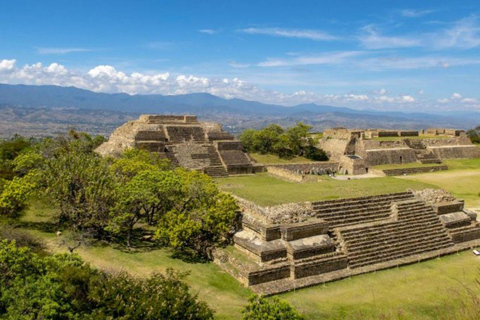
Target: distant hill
54,104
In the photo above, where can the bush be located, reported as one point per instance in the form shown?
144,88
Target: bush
64,287
261,308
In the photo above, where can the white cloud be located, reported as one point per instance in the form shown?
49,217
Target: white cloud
408,99
208,31
399,62
469,100
421,92
7,65
62,50
291,33
327,58
372,39
456,96
234,64
412,13
464,34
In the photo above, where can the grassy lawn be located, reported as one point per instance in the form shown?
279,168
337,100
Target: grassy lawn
273,159
427,290
462,184
265,190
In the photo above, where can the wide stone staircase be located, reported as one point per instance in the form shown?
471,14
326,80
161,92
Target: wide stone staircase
422,154
345,212
415,228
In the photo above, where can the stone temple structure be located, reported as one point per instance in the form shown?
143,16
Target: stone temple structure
294,245
360,149
185,142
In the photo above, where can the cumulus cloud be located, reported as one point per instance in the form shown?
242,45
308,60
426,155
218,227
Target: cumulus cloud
7,65
291,33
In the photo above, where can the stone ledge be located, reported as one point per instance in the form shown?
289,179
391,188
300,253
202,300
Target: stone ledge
286,285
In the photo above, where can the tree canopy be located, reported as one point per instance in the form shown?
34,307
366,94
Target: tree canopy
295,141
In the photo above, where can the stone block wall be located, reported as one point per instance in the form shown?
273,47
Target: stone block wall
402,171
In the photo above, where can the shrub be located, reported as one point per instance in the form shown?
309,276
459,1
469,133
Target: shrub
261,308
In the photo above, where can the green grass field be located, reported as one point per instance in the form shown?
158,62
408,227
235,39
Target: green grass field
266,190
273,159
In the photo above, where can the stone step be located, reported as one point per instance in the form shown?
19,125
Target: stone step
383,249
357,238
401,254
359,203
355,248
388,197
218,171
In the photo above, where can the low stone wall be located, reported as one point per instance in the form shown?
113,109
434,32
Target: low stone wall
267,275
286,174
402,171
307,167
448,207
313,268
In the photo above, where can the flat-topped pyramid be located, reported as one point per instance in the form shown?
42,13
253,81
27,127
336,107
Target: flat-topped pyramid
183,140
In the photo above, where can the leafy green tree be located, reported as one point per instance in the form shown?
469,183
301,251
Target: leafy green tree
82,186
261,308
9,150
474,134
296,141
200,218
149,194
14,195
133,161
63,287
158,297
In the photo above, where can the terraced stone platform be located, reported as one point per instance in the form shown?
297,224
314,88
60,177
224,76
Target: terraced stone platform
290,246
185,141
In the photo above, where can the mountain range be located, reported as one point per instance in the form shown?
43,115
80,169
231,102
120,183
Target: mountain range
70,106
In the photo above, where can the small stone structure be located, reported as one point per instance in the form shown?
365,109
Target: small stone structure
184,141
289,246
405,147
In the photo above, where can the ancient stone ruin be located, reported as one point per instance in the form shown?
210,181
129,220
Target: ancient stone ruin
295,245
185,142
356,150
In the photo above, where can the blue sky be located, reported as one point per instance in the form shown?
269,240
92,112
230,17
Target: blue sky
387,55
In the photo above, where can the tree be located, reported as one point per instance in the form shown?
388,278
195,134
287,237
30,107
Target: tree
296,141
158,297
200,218
14,195
62,287
146,195
261,308
474,134
82,186
9,150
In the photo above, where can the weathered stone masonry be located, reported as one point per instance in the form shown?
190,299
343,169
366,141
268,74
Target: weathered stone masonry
301,244
184,141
